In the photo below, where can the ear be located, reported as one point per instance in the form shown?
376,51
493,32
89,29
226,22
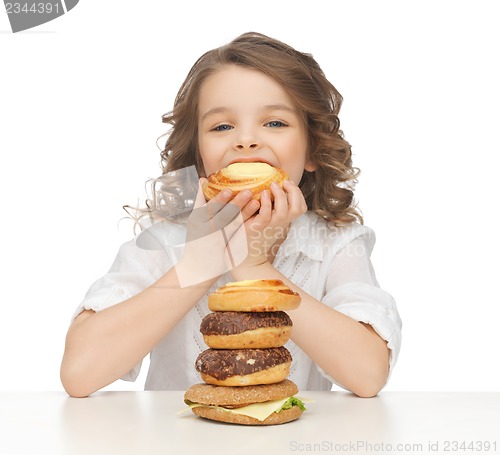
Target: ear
310,166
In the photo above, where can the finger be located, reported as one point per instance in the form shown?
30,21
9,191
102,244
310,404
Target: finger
265,211
250,209
214,206
234,226
280,200
296,202
246,213
233,209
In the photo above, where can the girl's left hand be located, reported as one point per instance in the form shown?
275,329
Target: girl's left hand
266,230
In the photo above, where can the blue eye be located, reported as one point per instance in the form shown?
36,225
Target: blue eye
223,127
275,124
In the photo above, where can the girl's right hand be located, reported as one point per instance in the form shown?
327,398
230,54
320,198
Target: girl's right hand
214,242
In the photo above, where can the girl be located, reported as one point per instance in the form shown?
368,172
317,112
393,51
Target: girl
254,99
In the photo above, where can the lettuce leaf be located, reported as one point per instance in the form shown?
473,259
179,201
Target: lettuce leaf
293,401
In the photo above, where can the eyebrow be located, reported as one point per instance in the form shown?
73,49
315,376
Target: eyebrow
267,107
279,107
215,110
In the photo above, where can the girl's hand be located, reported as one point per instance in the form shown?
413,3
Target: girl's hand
266,230
212,242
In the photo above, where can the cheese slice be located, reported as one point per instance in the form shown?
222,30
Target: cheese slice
259,411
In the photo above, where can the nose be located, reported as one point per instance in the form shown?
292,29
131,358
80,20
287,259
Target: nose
246,140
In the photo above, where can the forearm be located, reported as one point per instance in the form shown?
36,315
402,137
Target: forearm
104,346
352,353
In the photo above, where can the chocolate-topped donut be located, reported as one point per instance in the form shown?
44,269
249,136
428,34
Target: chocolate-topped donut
240,367
240,330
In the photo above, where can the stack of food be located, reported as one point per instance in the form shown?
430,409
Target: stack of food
246,366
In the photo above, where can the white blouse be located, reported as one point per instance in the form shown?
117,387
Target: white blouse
331,264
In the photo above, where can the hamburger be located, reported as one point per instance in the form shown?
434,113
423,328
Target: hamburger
269,404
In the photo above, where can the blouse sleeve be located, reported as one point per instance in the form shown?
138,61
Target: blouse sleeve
133,270
352,289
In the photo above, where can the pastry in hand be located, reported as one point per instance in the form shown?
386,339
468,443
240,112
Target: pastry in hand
255,177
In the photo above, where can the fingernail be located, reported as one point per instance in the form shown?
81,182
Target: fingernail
227,193
255,204
247,193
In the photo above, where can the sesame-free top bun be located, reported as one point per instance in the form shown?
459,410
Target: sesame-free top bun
255,177
239,396
235,397
254,295
241,330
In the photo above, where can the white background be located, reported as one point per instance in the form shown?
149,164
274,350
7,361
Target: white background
80,105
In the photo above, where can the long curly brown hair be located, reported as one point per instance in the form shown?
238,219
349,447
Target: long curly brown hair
328,190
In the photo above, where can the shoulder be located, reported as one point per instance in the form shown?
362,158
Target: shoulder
341,236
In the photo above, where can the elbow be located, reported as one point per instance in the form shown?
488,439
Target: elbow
76,392
75,370
79,377
73,381
368,390
372,383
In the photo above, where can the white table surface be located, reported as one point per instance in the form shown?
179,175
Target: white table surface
336,422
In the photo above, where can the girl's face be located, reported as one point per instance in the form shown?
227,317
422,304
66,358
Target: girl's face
245,115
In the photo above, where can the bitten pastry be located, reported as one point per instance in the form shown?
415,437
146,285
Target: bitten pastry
254,295
242,367
270,404
255,177
237,330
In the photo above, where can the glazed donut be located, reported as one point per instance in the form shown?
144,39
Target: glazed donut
254,295
255,177
242,367
238,330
